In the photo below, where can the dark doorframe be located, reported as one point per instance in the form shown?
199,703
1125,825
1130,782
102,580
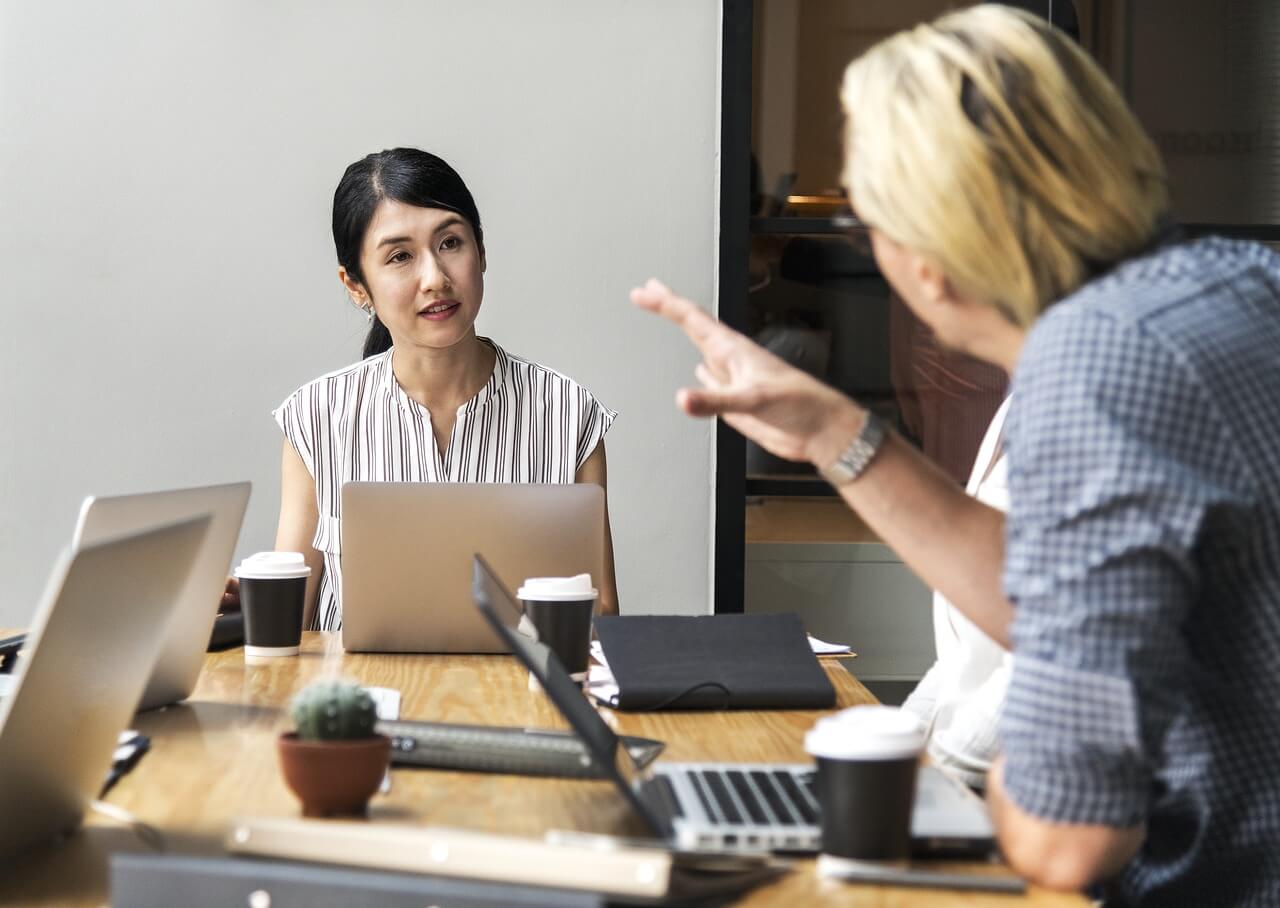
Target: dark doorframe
735,180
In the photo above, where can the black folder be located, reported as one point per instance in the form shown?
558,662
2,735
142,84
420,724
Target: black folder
713,662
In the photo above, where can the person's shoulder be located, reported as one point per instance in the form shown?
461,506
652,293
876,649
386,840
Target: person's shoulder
346,377
355,372
1167,287
1165,302
529,374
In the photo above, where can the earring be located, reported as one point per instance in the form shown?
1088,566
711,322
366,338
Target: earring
368,313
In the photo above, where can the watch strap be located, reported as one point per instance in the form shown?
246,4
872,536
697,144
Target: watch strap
855,459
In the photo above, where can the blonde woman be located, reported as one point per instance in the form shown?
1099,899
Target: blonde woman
1020,210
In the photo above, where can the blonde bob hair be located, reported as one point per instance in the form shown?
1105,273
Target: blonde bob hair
990,143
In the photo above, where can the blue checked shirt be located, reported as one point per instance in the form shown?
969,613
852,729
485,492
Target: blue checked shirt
1143,558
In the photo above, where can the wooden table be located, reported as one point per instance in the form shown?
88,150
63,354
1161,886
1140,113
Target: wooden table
213,758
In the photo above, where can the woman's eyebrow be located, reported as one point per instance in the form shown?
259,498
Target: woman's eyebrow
453,221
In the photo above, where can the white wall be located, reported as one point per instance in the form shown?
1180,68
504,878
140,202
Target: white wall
166,174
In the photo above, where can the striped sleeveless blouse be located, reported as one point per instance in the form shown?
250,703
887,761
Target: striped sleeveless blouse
528,424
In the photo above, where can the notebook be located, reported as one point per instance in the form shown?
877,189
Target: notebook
713,662
723,807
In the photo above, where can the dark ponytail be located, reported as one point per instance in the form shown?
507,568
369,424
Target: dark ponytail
404,175
378,340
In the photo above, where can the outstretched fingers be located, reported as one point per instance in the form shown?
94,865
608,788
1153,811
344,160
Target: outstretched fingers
656,297
718,401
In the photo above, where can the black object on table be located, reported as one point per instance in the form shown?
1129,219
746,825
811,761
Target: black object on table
9,649
713,662
503,749
228,631
128,753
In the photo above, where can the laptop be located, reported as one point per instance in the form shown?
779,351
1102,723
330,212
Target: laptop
723,807
187,633
91,647
407,547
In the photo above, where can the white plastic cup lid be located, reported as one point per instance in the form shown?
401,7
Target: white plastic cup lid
273,566
557,589
866,733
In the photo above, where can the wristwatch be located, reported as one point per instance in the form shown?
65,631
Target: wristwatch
849,465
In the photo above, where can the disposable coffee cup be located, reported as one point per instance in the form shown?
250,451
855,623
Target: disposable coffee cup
273,592
867,757
560,610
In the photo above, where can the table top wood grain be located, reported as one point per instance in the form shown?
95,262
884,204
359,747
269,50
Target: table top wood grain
213,759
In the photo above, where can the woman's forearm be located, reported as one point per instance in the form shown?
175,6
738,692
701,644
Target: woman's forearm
299,516
596,470
609,584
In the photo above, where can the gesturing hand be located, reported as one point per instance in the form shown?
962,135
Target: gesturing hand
779,407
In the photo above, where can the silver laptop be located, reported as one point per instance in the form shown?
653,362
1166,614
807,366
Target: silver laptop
90,649
723,807
187,633
407,547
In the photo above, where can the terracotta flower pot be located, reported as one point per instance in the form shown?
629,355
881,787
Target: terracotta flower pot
333,777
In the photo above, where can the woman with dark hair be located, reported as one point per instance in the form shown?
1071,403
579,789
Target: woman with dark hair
431,401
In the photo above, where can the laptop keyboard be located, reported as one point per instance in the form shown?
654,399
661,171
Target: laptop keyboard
742,807
810,780
755,797
776,801
662,789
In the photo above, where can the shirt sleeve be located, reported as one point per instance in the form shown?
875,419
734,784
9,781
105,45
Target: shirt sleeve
969,742
1114,456
298,421
922,702
594,421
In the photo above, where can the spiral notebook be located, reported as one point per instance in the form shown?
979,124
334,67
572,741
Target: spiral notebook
713,662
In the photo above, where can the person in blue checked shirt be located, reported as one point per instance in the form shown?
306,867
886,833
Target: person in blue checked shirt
1020,210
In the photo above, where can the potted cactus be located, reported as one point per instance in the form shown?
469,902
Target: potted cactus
334,761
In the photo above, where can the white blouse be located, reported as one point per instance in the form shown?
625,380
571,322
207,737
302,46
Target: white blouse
962,695
528,424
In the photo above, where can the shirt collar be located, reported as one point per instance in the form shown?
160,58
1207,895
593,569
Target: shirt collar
385,379
497,381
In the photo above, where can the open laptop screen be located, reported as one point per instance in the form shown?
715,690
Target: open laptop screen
497,603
